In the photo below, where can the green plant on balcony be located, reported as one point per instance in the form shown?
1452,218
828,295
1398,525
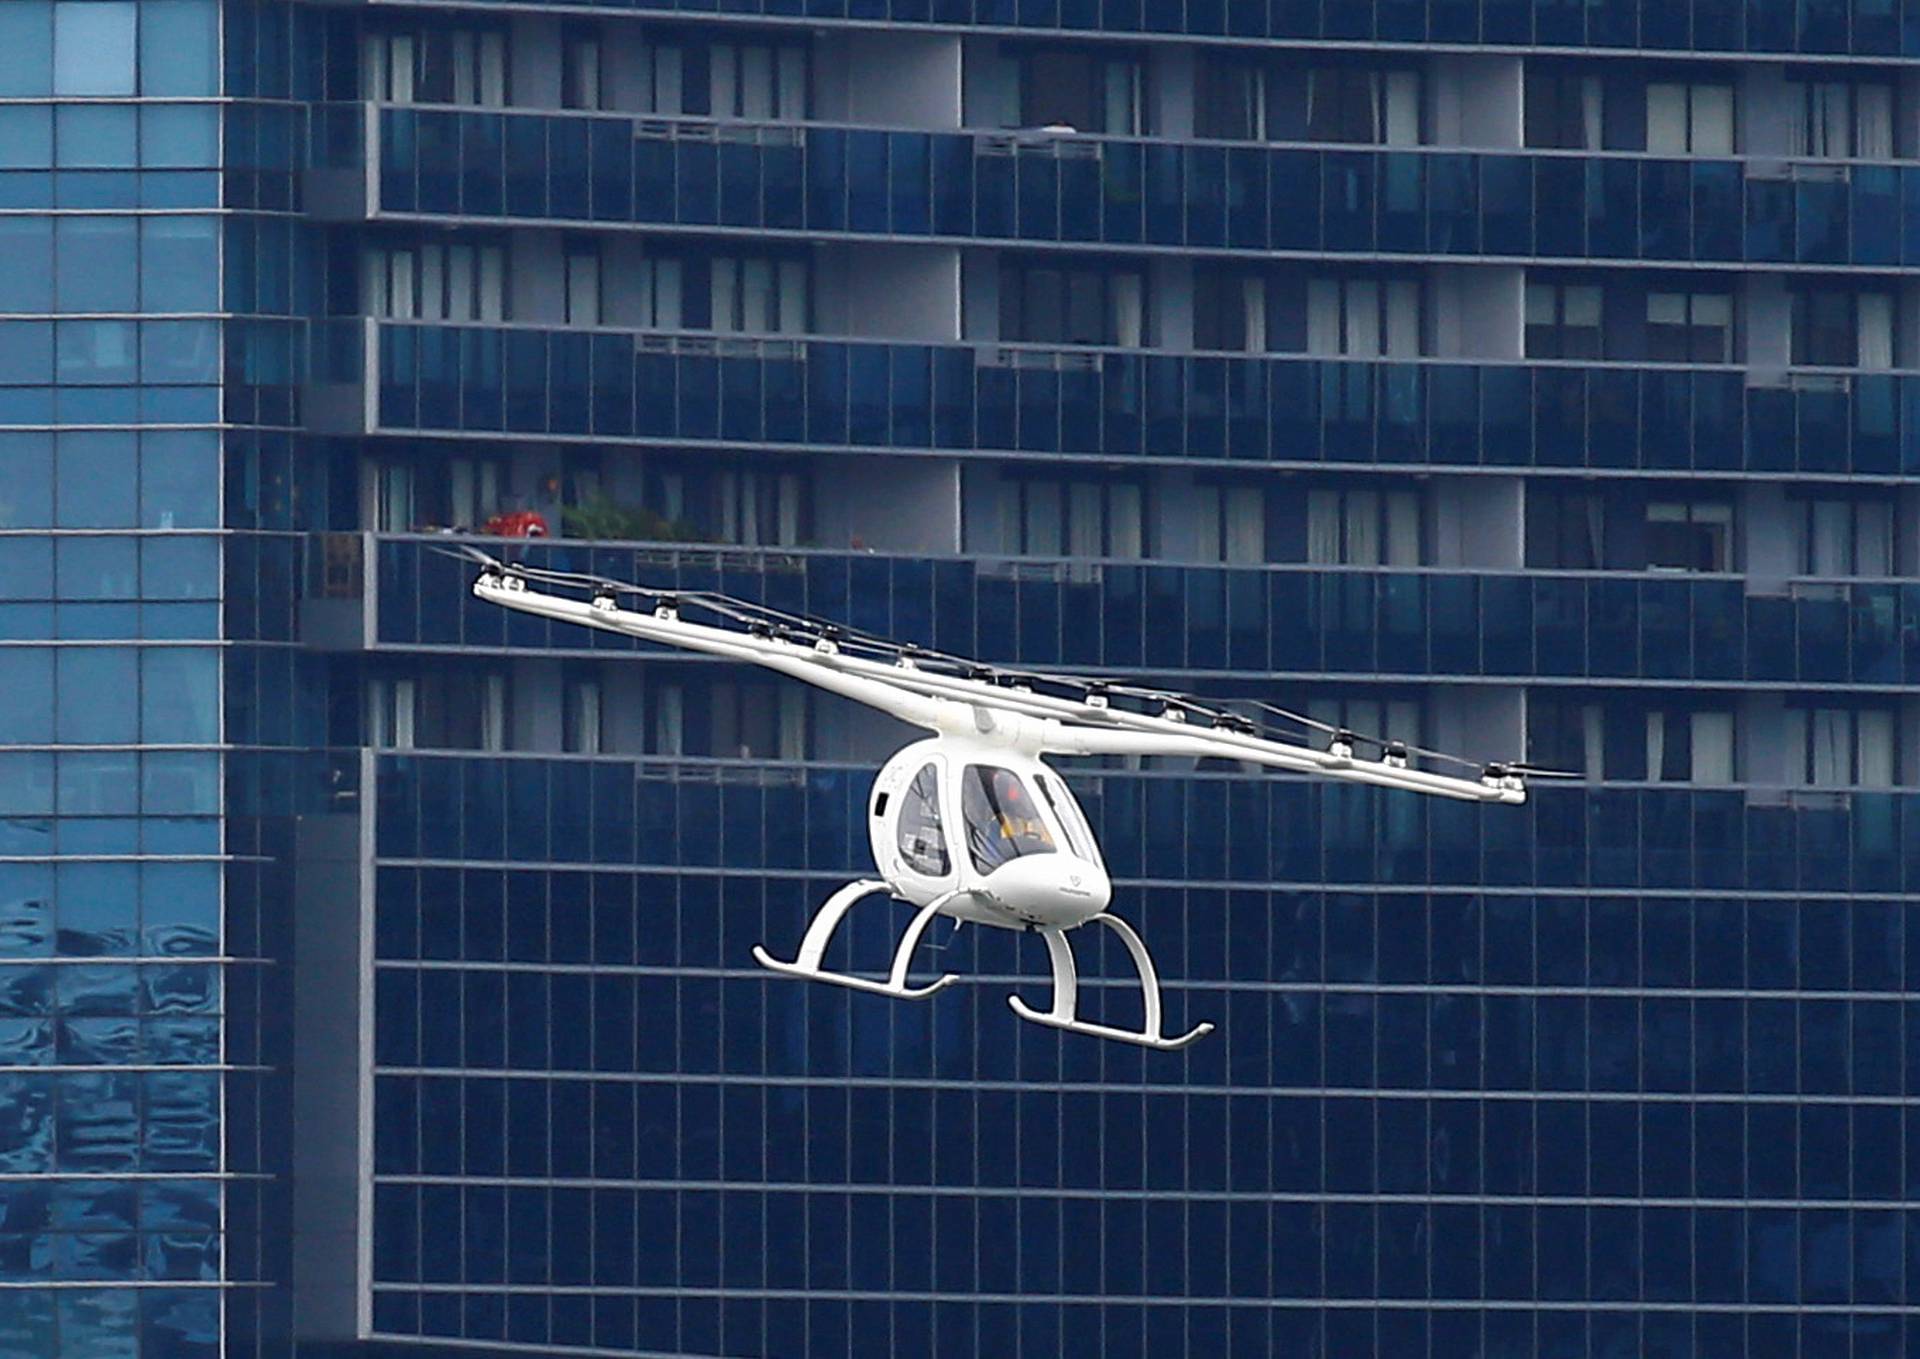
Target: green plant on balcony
602,517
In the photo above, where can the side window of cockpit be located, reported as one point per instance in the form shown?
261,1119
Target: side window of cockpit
920,838
1002,821
1067,825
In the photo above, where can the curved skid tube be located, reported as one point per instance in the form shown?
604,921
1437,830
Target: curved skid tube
1160,1043
1066,994
813,947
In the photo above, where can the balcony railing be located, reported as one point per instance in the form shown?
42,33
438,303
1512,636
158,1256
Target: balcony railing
1866,29
1125,403
1070,188
1253,621
1162,825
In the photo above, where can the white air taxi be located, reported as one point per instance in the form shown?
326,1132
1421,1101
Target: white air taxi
972,823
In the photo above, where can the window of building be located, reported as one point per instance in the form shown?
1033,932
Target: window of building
93,47
434,65
1847,537
1564,110
662,72
1689,535
439,281
459,492
1085,91
760,507
580,715
762,81
1841,118
1842,747
1050,304
1689,745
1240,100
731,294
474,490
1349,526
88,48
752,506
1085,518
390,714
392,489
752,720
1566,527
1230,100
1363,317
463,710
1567,734
757,296
580,64
666,719
1378,719
1690,327
1341,103
1690,119
1626,740
1231,523
1563,321
662,289
1843,329
582,262
1065,88
1230,311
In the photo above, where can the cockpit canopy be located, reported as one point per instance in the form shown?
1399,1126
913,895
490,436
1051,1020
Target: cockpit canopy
1003,821
1005,814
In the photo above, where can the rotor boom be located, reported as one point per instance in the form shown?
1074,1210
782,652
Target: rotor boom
933,698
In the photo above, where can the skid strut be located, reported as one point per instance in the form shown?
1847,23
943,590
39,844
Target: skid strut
1066,993
813,947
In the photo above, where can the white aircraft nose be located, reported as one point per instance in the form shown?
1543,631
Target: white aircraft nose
1051,889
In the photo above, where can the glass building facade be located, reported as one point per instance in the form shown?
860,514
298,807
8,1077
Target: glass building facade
1493,375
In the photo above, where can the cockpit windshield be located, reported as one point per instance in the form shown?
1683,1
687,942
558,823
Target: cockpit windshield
1003,822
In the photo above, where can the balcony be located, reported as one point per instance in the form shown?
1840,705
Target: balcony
621,386
1083,190
1254,622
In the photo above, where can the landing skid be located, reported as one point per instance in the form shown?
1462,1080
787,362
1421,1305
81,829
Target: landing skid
809,966
813,947
1066,992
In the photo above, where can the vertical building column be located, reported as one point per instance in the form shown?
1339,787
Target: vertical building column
332,1070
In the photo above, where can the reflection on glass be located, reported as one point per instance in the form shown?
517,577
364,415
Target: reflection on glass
93,49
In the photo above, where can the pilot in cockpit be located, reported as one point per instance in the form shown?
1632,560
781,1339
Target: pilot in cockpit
1002,821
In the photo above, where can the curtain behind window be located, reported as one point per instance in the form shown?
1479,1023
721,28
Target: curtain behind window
1712,747
1403,528
1402,111
1873,121
1875,738
1830,753
1873,540
1323,528
1829,544
1126,299
1876,330
1363,528
1244,525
